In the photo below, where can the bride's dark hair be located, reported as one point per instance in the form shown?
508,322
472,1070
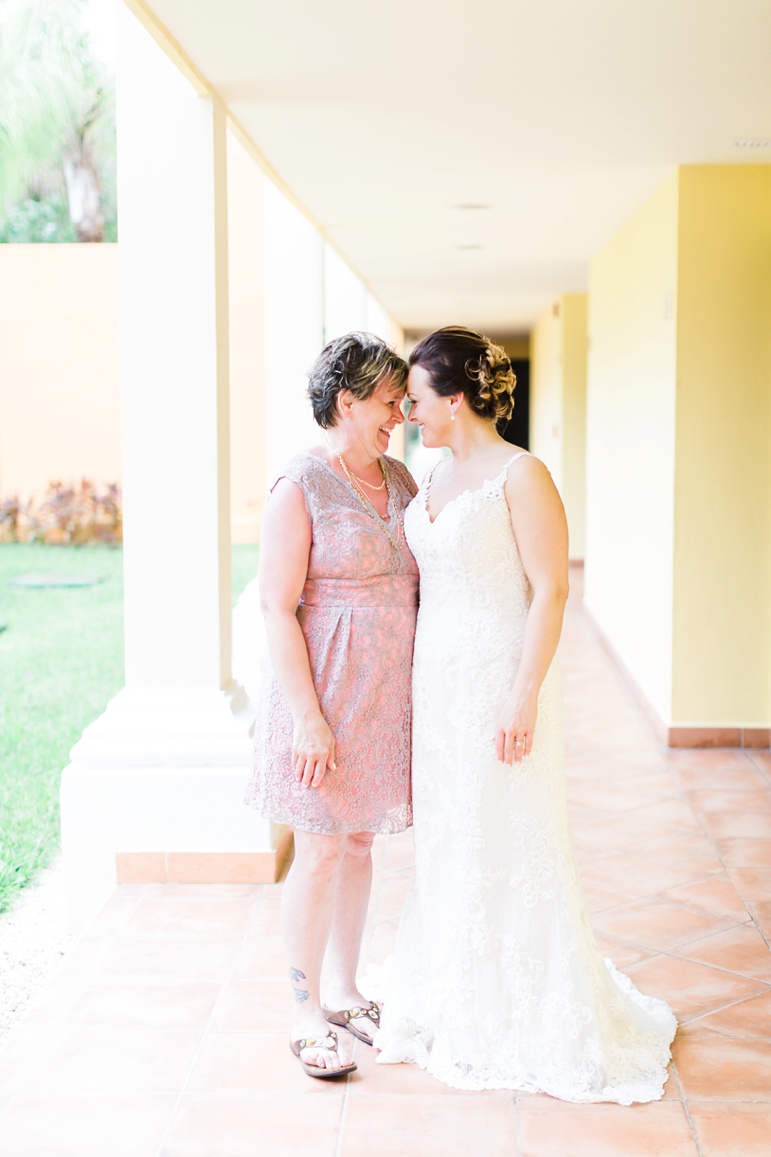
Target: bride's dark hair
459,360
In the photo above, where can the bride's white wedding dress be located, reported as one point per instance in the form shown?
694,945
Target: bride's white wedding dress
496,980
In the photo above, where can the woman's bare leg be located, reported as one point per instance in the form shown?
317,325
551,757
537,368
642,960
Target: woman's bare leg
352,891
306,909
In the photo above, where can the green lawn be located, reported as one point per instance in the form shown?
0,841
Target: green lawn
61,660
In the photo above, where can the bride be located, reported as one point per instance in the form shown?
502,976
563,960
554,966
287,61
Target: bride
496,980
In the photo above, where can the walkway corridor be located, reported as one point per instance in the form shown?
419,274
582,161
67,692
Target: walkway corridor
163,1033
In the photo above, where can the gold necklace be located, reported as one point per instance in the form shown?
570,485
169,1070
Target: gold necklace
368,505
363,481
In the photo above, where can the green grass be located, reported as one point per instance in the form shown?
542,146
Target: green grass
243,566
61,660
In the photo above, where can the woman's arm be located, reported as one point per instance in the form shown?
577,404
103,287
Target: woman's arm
285,544
538,522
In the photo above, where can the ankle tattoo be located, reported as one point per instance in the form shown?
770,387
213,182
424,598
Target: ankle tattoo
300,994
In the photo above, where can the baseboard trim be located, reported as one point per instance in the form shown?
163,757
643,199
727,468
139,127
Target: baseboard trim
204,867
751,738
745,737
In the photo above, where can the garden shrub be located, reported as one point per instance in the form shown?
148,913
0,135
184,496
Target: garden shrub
66,515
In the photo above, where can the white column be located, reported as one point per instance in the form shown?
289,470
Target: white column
377,320
294,334
157,780
294,331
344,297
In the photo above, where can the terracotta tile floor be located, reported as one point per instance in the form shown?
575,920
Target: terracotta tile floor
163,1033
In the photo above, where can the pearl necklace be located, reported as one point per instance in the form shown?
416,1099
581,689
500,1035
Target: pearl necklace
382,520
363,480
350,474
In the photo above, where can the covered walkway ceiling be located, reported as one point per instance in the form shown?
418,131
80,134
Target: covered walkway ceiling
469,158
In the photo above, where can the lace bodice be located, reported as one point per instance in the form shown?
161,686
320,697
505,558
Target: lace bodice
468,552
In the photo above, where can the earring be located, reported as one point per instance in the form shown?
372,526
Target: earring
452,413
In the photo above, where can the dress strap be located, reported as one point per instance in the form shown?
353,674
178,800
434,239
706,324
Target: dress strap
426,483
511,461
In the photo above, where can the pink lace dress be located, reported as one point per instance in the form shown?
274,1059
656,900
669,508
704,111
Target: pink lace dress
357,613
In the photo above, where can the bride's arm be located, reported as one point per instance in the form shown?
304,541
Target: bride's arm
285,544
538,522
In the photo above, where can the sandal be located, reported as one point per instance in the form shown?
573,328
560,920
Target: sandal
346,1016
297,1047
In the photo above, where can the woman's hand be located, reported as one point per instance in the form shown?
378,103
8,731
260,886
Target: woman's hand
516,725
313,750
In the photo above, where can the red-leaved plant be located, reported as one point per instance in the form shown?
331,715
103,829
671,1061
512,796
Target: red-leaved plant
66,515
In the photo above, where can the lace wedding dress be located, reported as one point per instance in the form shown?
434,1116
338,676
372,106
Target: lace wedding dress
496,981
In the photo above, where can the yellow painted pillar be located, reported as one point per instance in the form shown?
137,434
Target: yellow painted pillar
679,453
558,405
721,646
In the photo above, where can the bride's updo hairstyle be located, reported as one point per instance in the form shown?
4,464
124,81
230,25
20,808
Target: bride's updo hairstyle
358,362
459,360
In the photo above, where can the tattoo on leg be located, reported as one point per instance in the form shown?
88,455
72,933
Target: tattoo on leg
300,994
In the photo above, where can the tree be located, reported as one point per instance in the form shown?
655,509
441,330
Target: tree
57,120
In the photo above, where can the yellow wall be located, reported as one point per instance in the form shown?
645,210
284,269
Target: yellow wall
558,405
248,467
517,347
546,391
574,310
59,371
722,565
679,447
59,398
630,444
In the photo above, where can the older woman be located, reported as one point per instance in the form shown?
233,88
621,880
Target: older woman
497,982
332,750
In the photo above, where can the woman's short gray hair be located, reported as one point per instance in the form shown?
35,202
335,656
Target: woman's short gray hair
358,362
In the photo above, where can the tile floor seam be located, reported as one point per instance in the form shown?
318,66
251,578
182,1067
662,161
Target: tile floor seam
674,953
733,1101
635,849
592,855
686,1110
11,1102
703,911
517,1140
664,899
204,1032
255,914
718,967
713,844
674,949
766,939
719,1032
81,987
343,1115
721,1008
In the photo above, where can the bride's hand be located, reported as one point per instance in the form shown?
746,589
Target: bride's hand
313,750
516,725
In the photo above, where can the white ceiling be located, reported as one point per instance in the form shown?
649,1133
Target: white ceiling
562,116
